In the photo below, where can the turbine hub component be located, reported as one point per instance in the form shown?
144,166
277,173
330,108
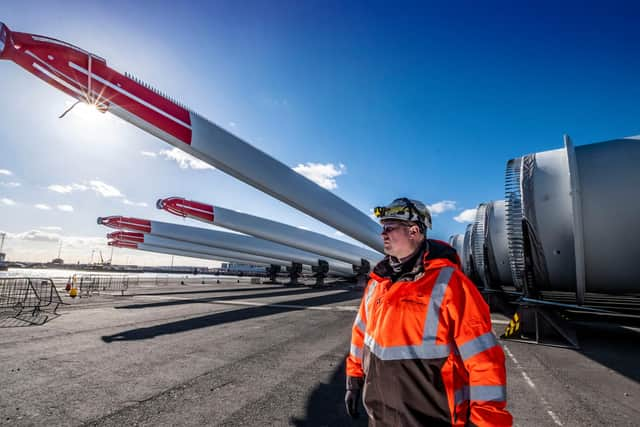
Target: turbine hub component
122,244
127,236
184,208
124,223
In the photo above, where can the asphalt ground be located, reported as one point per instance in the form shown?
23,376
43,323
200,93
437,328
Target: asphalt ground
237,354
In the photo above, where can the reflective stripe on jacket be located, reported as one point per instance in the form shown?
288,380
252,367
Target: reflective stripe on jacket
427,353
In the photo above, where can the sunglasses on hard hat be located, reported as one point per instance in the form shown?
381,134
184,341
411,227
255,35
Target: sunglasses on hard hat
382,211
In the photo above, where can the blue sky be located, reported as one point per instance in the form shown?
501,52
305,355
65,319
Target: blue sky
415,99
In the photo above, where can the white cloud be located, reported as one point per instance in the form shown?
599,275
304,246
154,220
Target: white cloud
42,206
46,236
7,202
60,188
101,188
130,203
442,206
232,124
5,172
10,184
37,236
467,215
184,160
105,190
65,189
82,241
43,247
323,175
65,208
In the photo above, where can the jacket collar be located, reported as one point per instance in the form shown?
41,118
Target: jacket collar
433,254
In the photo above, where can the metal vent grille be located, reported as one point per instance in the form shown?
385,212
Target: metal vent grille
156,91
477,243
513,220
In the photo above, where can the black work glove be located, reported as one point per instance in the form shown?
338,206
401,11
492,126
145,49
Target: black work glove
351,399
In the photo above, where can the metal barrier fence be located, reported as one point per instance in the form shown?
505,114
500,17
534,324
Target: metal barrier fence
25,293
94,284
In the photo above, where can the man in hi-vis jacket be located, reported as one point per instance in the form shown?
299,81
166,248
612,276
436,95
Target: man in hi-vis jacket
422,350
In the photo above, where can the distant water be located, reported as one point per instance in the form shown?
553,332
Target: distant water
58,273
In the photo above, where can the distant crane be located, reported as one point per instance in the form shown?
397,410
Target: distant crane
3,266
102,261
58,260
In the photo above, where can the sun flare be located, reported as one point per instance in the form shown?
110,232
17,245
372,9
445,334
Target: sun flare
87,112
86,120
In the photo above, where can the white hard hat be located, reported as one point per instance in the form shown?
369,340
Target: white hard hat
404,209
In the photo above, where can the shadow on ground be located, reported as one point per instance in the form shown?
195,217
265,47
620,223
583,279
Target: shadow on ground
14,320
295,291
230,316
217,291
612,345
325,406
610,340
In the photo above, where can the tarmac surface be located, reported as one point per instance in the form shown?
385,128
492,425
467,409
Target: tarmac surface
235,353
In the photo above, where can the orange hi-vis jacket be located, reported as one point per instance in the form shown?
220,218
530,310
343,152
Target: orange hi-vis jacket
424,350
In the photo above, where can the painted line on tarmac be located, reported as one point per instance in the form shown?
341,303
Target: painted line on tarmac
526,377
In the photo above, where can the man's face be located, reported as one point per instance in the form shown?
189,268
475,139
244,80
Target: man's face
398,238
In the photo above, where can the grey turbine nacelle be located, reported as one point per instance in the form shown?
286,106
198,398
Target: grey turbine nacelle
572,214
